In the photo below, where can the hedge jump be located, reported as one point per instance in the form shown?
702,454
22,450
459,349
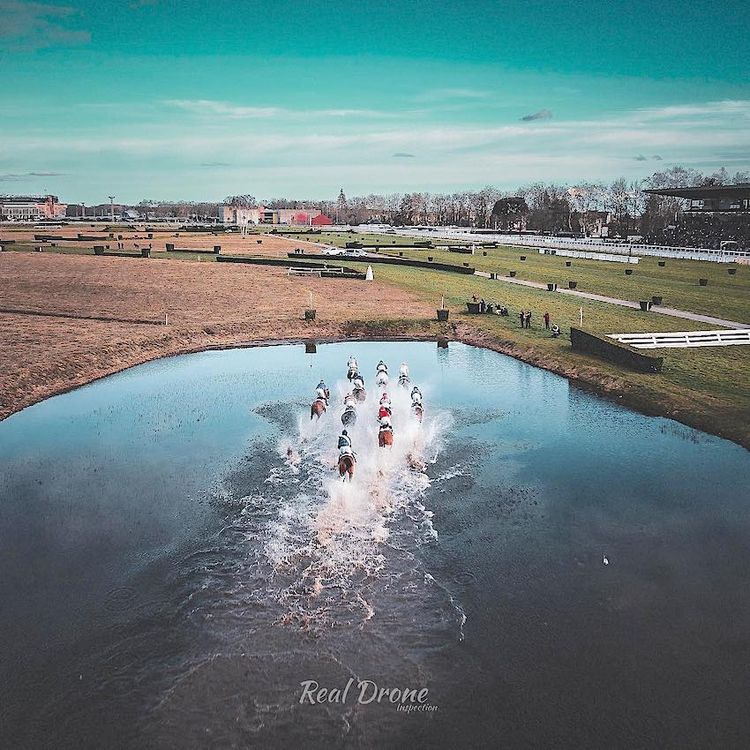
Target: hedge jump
418,244
613,351
324,268
398,262
172,249
99,250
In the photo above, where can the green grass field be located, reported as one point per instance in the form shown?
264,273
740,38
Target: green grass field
726,296
677,282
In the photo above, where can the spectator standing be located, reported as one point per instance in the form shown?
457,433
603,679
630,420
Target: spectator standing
546,321
527,319
521,317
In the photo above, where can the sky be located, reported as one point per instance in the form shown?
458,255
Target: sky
197,100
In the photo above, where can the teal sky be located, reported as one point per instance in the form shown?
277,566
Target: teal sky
198,100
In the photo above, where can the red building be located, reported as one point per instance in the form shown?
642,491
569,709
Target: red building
321,220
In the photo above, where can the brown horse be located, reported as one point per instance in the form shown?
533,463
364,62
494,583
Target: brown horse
385,438
346,466
317,408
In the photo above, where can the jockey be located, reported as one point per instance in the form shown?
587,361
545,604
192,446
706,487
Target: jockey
384,411
385,423
416,398
350,401
352,363
385,401
403,371
382,367
321,394
416,390
323,387
358,382
344,441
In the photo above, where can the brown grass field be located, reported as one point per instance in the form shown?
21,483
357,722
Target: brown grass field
208,305
231,243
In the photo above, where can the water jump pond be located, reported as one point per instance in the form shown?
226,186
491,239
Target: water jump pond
180,563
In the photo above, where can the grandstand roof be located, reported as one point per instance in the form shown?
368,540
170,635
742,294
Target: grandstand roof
740,190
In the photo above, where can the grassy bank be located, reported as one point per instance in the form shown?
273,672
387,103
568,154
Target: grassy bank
707,388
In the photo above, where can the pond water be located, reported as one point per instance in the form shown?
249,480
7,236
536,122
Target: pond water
178,557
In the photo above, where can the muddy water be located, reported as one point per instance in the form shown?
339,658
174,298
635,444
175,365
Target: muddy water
179,561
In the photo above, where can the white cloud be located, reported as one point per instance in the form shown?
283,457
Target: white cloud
609,135
210,107
696,111
449,94
284,153
227,110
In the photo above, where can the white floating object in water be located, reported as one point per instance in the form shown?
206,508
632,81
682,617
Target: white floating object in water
605,560
368,275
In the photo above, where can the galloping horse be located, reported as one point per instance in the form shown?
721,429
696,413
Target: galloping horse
385,438
351,367
347,462
317,408
417,411
381,378
349,416
360,394
403,375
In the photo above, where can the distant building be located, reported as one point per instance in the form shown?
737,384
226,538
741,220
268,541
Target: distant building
710,198
263,215
321,220
595,223
714,216
238,215
31,207
99,211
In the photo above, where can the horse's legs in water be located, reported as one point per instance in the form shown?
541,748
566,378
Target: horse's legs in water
346,470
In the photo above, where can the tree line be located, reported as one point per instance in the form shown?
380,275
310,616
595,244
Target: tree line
579,208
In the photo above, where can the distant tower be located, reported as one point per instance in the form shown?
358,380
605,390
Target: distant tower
111,208
341,206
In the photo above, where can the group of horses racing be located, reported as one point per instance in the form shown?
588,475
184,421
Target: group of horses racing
347,458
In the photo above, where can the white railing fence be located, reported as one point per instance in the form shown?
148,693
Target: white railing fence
684,339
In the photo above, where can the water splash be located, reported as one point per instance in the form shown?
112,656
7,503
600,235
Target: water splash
331,536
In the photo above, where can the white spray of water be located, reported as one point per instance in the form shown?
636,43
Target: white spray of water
333,533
